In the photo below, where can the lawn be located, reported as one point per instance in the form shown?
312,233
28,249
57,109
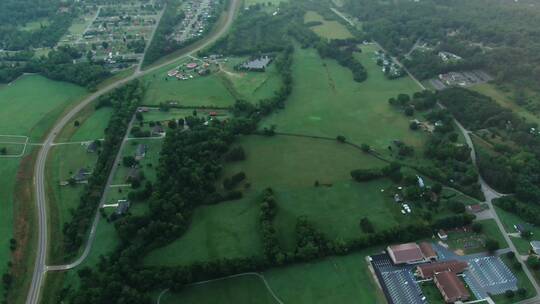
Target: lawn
327,102
225,230
471,242
431,292
92,125
200,91
31,105
64,161
509,220
505,100
342,279
329,29
148,164
250,86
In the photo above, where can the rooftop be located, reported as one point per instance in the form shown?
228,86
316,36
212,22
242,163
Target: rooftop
405,253
427,271
451,287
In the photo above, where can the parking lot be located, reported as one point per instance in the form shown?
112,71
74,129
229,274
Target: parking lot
398,282
460,79
486,273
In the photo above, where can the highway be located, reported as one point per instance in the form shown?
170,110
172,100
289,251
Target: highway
40,267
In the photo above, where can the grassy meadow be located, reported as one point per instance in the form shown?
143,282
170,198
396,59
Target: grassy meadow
342,279
330,29
31,105
327,102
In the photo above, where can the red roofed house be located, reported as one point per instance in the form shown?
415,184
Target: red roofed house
451,288
428,252
428,271
409,253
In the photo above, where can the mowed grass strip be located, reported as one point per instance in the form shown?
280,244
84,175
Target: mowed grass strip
329,29
225,230
327,102
32,103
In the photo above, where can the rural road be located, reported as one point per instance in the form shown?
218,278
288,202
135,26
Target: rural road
489,193
40,267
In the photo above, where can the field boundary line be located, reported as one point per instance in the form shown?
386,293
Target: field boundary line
25,144
258,275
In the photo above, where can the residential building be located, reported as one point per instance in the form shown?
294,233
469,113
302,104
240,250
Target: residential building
451,287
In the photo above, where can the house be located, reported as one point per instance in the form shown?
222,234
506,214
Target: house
428,271
157,130
140,153
421,183
133,174
442,235
92,147
408,253
451,288
428,252
81,175
475,208
523,227
123,207
535,246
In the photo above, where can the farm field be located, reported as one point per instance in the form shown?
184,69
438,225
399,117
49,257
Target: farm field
225,230
200,91
330,29
32,103
327,102
343,279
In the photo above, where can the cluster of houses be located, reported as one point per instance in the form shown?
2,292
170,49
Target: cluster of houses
255,65
188,70
388,66
196,21
445,274
449,57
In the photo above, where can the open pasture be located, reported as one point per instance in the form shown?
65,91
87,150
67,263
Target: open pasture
327,102
330,29
31,104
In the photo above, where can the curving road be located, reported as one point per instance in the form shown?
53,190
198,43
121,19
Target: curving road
40,267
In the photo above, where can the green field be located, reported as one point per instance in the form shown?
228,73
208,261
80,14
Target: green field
36,24
505,100
225,230
93,127
343,279
31,105
200,91
329,29
250,86
327,102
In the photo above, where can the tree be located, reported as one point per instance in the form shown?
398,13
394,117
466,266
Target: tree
76,123
509,293
409,111
172,124
105,45
521,292
366,225
511,255
477,227
403,99
492,245
533,262
437,188
341,138
3,150
456,207
129,161
413,125
365,148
